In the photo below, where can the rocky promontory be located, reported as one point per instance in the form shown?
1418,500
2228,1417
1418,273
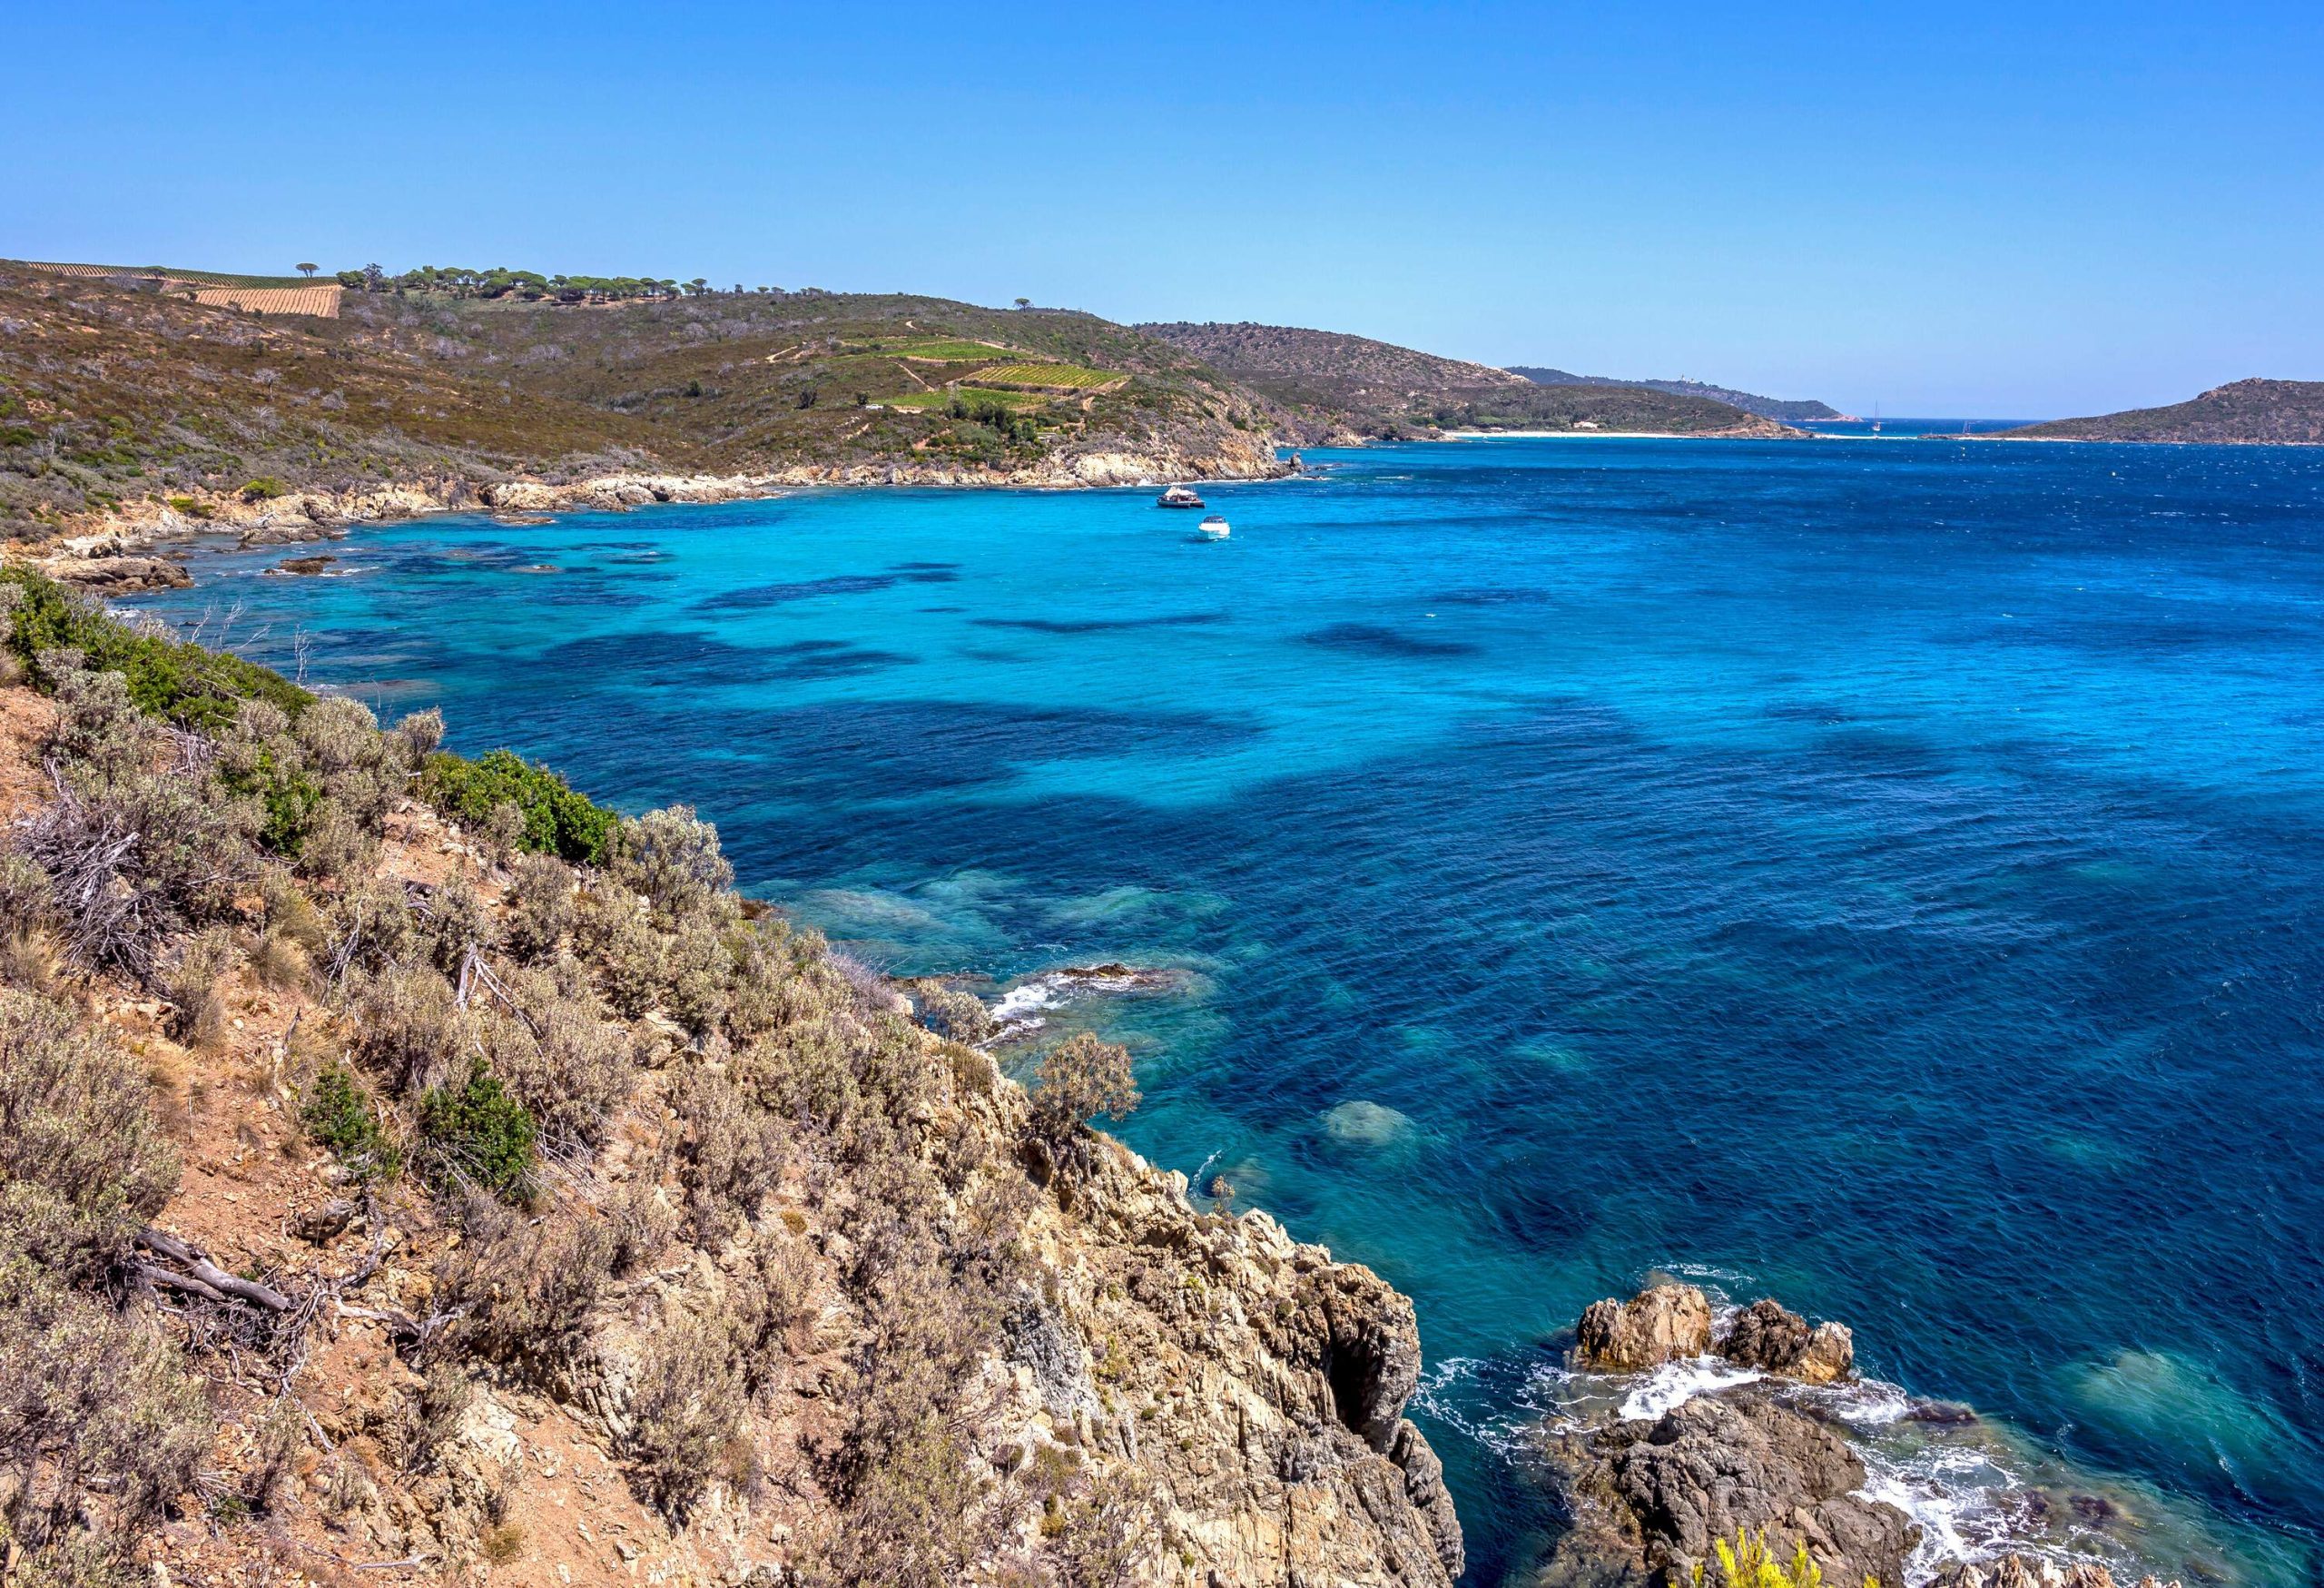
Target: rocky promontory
1649,1496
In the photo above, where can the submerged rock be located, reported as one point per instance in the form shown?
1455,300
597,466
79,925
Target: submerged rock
1771,1336
1651,1499
1667,1323
1363,1123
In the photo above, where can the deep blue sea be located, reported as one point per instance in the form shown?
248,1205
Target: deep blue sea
1888,873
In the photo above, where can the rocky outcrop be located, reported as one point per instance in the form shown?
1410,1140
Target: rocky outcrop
1651,1498
1270,1383
117,575
1672,1323
1665,1323
2020,1571
1773,1339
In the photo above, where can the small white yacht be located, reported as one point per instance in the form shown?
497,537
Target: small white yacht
1215,528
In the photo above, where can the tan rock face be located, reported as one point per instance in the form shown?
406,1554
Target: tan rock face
1666,1324
1264,1384
1660,1496
1771,1336
2017,1571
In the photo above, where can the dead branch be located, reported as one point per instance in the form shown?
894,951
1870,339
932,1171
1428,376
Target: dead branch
202,1276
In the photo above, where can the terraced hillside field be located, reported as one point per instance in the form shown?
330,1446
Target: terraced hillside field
111,392
322,301
1055,377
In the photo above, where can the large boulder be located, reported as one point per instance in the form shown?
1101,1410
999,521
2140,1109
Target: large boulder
1667,1323
1662,1494
1773,1339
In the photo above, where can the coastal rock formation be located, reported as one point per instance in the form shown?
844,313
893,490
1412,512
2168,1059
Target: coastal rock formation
1280,1378
1667,1323
117,575
1771,1336
1650,1498
2019,1572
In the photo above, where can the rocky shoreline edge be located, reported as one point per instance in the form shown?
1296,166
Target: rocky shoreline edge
1649,1497
121,550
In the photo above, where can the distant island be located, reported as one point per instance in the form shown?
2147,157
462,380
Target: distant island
1376,389
2253,413
1771,408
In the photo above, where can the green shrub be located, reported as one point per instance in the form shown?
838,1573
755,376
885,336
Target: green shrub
479,1132
557,819
265,487
168,678
339,1115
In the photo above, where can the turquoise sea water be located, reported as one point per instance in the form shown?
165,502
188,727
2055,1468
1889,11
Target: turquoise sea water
1881,873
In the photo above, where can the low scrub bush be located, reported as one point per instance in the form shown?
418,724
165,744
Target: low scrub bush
611,928
951,1013
730,1157
428,1417
568,1067
82,1163
135,861
540,906
192,986
408,1027
672,857
1080,1078
687,1407
102,1421
557,821
477,1133
342,1116
528,1287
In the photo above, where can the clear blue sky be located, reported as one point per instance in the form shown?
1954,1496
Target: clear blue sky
2019,209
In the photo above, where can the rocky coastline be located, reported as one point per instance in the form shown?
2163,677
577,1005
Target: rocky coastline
1648,1497
123,549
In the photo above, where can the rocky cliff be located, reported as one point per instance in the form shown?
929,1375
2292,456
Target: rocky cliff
480,1212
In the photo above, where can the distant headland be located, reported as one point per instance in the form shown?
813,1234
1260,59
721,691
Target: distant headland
2253,413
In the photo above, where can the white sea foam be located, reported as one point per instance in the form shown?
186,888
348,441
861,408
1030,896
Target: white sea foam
1023,1005
1960,1499
1674,1384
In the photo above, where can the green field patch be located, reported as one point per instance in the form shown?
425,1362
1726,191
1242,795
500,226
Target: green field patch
1051,377
935,350
923,401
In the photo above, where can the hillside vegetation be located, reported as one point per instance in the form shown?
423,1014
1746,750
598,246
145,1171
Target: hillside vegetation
1786,411
1378,388
113,393
416,1173
2244,412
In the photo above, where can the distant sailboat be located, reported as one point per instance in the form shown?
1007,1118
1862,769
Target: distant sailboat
1876,419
